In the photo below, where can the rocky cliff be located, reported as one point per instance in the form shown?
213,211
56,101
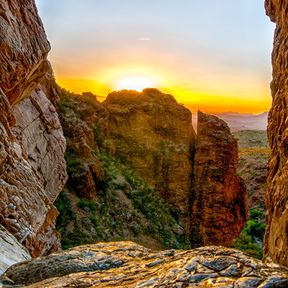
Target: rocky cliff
32,145
131,160
149,134
133,151
125,264
219,198
154,134
276,237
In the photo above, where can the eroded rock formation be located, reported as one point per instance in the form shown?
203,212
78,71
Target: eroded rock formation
148,130
276,236
154,134
32,145
125,264
219,198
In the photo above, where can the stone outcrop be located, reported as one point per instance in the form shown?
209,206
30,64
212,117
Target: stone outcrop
149,131
11,250
276,236
154,134
32,145
125,264
219,198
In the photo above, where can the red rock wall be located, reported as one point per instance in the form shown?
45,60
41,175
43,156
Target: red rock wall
32,145
219,201
276,236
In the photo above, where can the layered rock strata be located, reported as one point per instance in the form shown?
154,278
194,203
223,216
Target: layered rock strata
219,197
276,236
125,264
32,145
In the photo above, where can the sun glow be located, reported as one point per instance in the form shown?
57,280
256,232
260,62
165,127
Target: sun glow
134,83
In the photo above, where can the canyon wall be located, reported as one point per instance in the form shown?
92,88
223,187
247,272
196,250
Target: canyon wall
148,132
154,135
219,197
32,145
151,134
276,236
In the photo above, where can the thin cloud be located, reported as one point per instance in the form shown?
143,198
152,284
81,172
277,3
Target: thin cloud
144,39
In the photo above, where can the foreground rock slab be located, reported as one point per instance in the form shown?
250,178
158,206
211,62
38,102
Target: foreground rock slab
126,264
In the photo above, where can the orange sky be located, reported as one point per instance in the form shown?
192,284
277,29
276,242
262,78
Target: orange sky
211,56
210,94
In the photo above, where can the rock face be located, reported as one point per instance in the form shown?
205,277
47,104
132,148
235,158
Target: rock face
32,145
11,250
149,131
154,134
276,236
125,264
24,48
219,201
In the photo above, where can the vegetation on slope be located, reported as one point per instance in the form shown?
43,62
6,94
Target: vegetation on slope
124,207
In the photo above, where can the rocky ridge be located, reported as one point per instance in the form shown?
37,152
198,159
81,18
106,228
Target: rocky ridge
154,134
151,134
125,264
28,185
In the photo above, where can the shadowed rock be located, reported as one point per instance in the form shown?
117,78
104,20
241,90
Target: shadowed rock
32,145
219,201
276,236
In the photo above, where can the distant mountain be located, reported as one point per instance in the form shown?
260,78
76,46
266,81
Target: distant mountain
239,121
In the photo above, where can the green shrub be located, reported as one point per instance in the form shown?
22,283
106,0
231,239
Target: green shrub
86,204
98,136
252,233
75,165
64,206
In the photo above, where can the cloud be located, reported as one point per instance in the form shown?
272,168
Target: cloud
144,39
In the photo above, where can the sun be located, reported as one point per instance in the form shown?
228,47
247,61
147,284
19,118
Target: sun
134,83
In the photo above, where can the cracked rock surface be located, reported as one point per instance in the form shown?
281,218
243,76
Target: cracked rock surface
126,264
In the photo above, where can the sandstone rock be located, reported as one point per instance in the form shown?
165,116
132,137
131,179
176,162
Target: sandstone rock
154,134
32,166
40,133
219,202
11,250
125,264
24,48
276,236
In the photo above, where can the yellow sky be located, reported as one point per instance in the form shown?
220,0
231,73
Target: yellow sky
209,94
211,56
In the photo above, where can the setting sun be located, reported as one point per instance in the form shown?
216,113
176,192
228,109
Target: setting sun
134,83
